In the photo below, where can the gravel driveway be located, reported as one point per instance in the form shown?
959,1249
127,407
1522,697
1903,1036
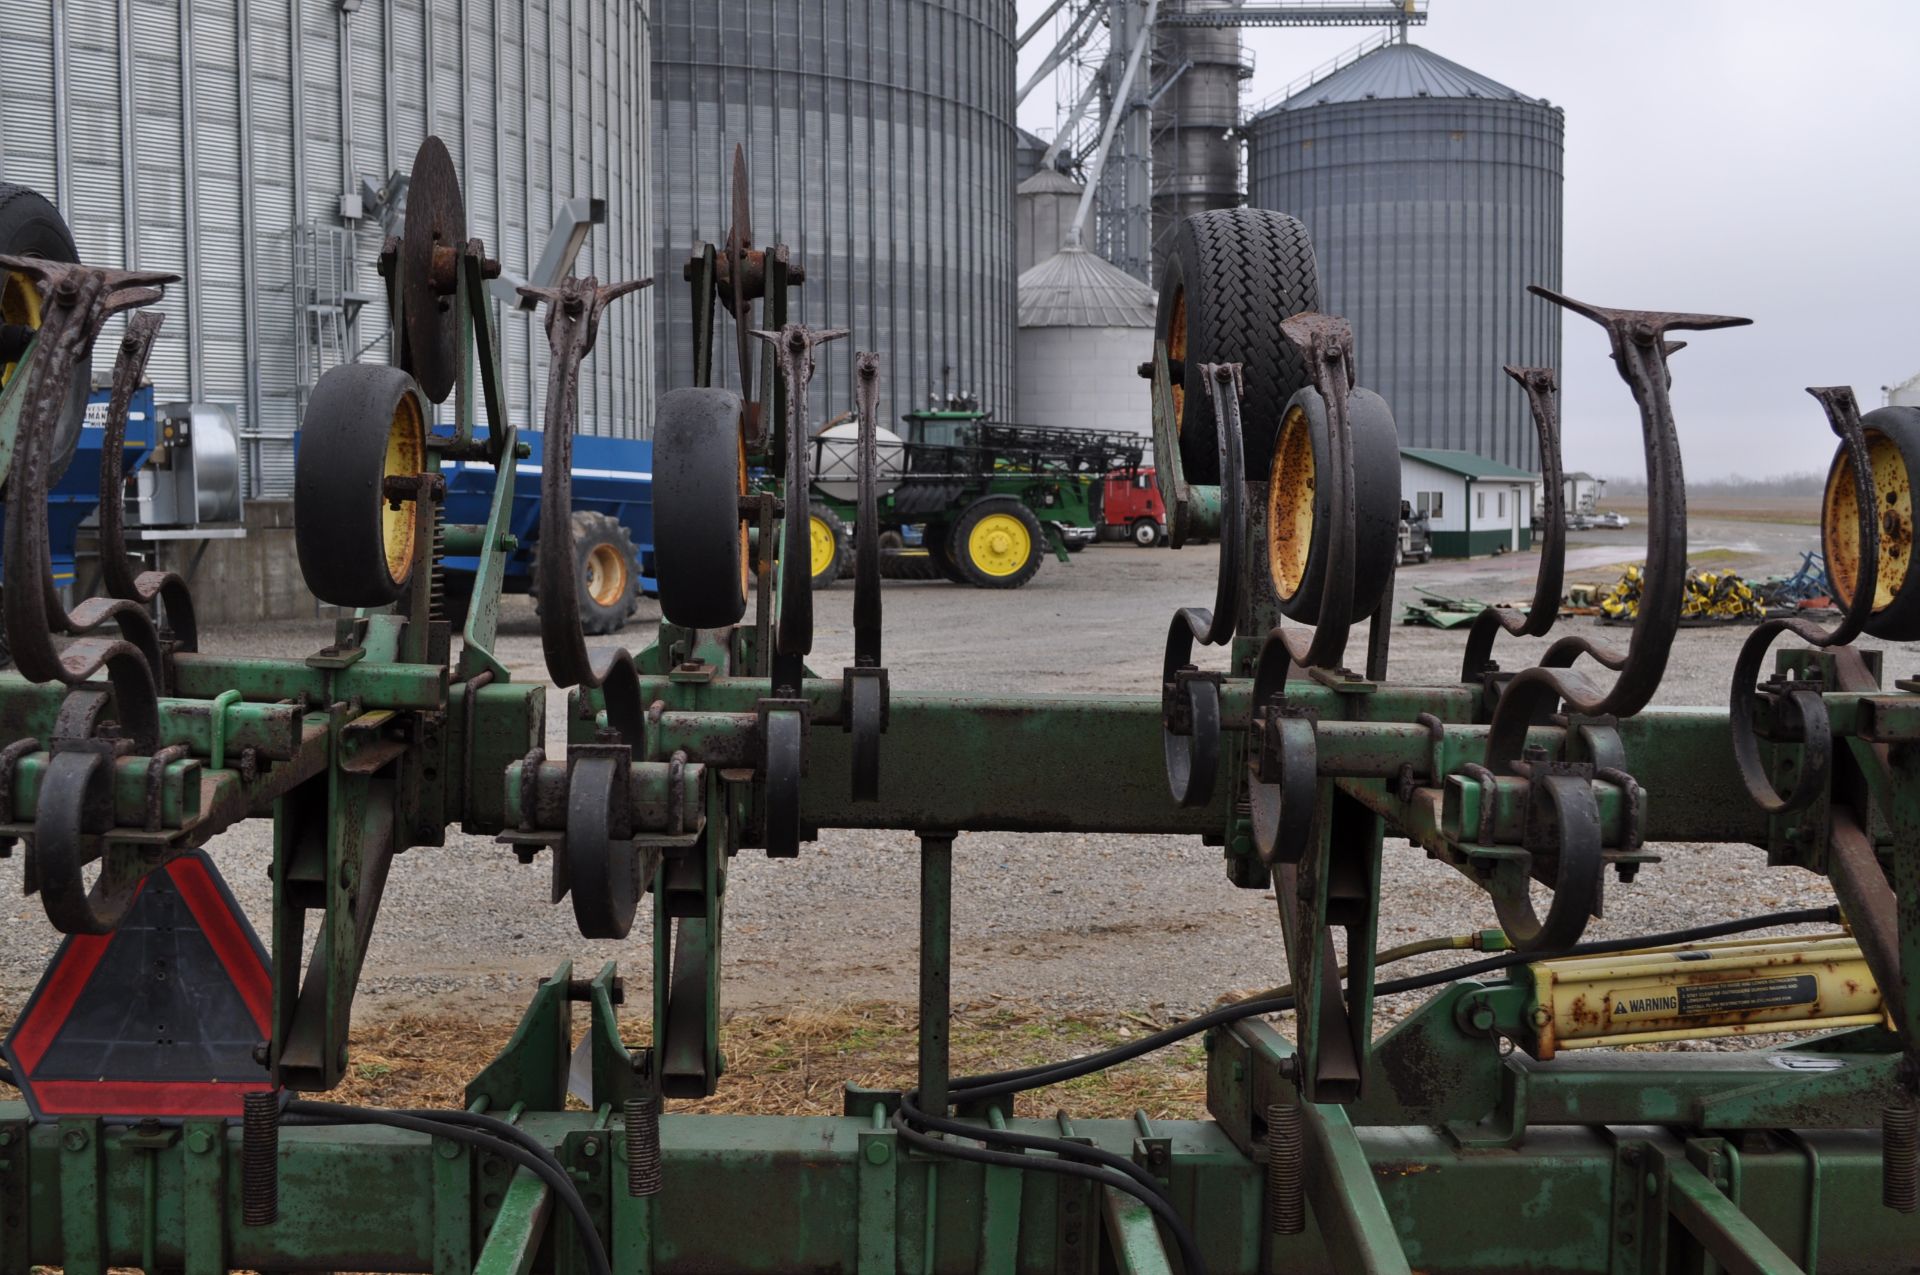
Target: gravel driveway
1097,922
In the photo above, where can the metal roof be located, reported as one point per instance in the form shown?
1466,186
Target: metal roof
1401,71
1075,288
1470,464
1049,181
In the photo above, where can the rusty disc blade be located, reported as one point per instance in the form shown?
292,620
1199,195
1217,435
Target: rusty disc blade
739,245
436,219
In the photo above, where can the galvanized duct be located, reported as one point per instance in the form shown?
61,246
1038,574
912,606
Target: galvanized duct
174,134
880,141
1434,198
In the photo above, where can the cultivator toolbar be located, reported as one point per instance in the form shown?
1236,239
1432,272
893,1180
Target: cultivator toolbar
1491,1130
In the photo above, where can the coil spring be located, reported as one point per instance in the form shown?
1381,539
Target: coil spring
1900,1157
260,1158
1286,1186
437,568
642,1117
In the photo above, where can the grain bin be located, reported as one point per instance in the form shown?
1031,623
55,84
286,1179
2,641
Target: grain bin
1086,326
880,143
1196,142
175,135
1433,195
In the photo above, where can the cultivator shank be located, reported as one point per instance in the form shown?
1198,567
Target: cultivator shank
1493,1129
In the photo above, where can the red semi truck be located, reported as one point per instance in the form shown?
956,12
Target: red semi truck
1130,508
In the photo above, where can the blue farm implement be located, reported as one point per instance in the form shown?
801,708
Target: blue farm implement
612,526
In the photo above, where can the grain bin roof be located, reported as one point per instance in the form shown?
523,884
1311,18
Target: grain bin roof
1075,288
1049,181
1401,71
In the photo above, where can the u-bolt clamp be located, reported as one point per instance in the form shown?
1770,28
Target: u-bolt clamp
863,686
1190,699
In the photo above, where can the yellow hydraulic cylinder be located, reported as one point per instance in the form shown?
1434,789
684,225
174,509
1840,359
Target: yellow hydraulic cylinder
1703,990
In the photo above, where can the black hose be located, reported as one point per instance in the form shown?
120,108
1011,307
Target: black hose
6,1076
1017,1080
1190,1256
910,1110
463,1129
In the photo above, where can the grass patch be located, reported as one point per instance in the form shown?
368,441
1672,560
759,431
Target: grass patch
797,1062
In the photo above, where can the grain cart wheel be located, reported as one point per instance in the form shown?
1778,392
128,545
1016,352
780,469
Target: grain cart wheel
365,423
31,227
700,539
1233,275
997,543
1146,532
1893,452
938,538
1298,511
608,570
828,542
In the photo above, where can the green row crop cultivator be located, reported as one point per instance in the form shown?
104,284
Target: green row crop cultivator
173,1127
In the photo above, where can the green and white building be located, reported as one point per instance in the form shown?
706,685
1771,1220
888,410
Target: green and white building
1473,505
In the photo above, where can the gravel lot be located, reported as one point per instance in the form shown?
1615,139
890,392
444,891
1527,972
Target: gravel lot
1138,923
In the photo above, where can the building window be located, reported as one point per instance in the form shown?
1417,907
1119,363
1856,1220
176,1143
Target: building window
1503,503
1436,511
1428,502
1480,504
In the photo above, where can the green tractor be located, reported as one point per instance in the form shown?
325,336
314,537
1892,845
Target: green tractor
964,498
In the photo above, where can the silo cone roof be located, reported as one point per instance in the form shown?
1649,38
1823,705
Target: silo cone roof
1075,288
1048,181
1401,71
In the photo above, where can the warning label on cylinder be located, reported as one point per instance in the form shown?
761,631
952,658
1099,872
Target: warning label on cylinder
1747,994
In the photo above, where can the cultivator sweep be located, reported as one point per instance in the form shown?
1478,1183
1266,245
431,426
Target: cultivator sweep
1491,1130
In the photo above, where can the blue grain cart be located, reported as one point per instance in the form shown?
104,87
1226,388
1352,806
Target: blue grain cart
72,499
612,526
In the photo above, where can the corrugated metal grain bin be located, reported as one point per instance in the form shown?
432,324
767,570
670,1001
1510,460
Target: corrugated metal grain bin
880,141
1433,195
175,135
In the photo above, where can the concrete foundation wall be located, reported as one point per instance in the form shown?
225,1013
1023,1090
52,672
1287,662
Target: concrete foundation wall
244,581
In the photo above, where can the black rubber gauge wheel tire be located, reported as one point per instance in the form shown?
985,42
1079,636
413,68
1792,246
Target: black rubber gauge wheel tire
997,543
32,227
1233,275
700,540
365,422
1893,453
607,572
830,545
1298,505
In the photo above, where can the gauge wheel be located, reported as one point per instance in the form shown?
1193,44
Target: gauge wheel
1234,274
364,423
1299,507
1146,532
608,572
938,538
700,539
1893,454
32,227
997,543
827,541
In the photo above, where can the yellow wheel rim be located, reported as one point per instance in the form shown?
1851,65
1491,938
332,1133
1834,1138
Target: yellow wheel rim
606,575
1840,517
1290,504
19,304
823,544
999,544
406,456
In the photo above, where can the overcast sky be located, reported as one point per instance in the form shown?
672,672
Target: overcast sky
1753,158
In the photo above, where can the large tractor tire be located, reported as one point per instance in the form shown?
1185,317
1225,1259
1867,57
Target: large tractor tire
32,227
608,572
829,544
938,538
1234,274
997,543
